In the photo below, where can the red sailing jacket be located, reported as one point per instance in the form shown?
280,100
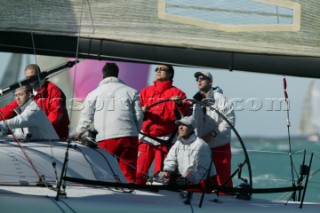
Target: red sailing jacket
159,120
53,102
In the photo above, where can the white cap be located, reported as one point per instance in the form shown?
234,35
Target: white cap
188,121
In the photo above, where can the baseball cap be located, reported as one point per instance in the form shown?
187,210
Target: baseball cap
188,121
207,74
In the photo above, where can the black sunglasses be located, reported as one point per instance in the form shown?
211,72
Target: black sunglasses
161,69
202,78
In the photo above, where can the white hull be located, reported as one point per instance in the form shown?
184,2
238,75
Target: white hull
26,196
87,199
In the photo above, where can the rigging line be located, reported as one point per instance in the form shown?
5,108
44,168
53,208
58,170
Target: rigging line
284,196
265,152
114,174
56,203
91,17
288,128
136,168
191,207
311,176
77,54
90,164
22,149
67,205
31,34
269,179
314,173
270,152
52,157
53,160
277,12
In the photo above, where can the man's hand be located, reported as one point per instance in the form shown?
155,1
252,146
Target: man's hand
77,137
176,99
144,109
164,174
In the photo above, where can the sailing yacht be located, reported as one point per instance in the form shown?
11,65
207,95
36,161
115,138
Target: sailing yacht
278,37
310,118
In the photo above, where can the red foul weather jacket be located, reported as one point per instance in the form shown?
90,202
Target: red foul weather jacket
53,102
159,120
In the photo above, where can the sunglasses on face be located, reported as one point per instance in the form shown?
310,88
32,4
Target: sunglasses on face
161,69
202,78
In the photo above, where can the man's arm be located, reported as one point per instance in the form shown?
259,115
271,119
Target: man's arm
170,163
138,113
8,110
86,116
55,106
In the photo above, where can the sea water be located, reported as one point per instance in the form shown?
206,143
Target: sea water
270,162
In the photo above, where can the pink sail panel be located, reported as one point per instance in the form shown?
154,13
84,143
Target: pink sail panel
87,74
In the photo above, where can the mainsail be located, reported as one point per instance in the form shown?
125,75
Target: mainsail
268,36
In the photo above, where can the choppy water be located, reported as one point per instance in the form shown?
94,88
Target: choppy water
270,163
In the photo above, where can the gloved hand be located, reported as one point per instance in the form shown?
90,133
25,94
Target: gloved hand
176,99
164,174
161,178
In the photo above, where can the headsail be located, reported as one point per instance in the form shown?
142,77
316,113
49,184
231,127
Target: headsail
310,118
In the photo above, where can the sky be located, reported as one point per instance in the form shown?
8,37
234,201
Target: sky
251,94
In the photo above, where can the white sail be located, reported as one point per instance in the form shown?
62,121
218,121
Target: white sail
310,117
268,36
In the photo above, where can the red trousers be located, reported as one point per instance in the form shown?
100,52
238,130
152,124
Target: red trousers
126,150
146,154
221,157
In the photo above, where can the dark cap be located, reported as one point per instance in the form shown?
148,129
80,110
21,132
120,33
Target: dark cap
207,74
